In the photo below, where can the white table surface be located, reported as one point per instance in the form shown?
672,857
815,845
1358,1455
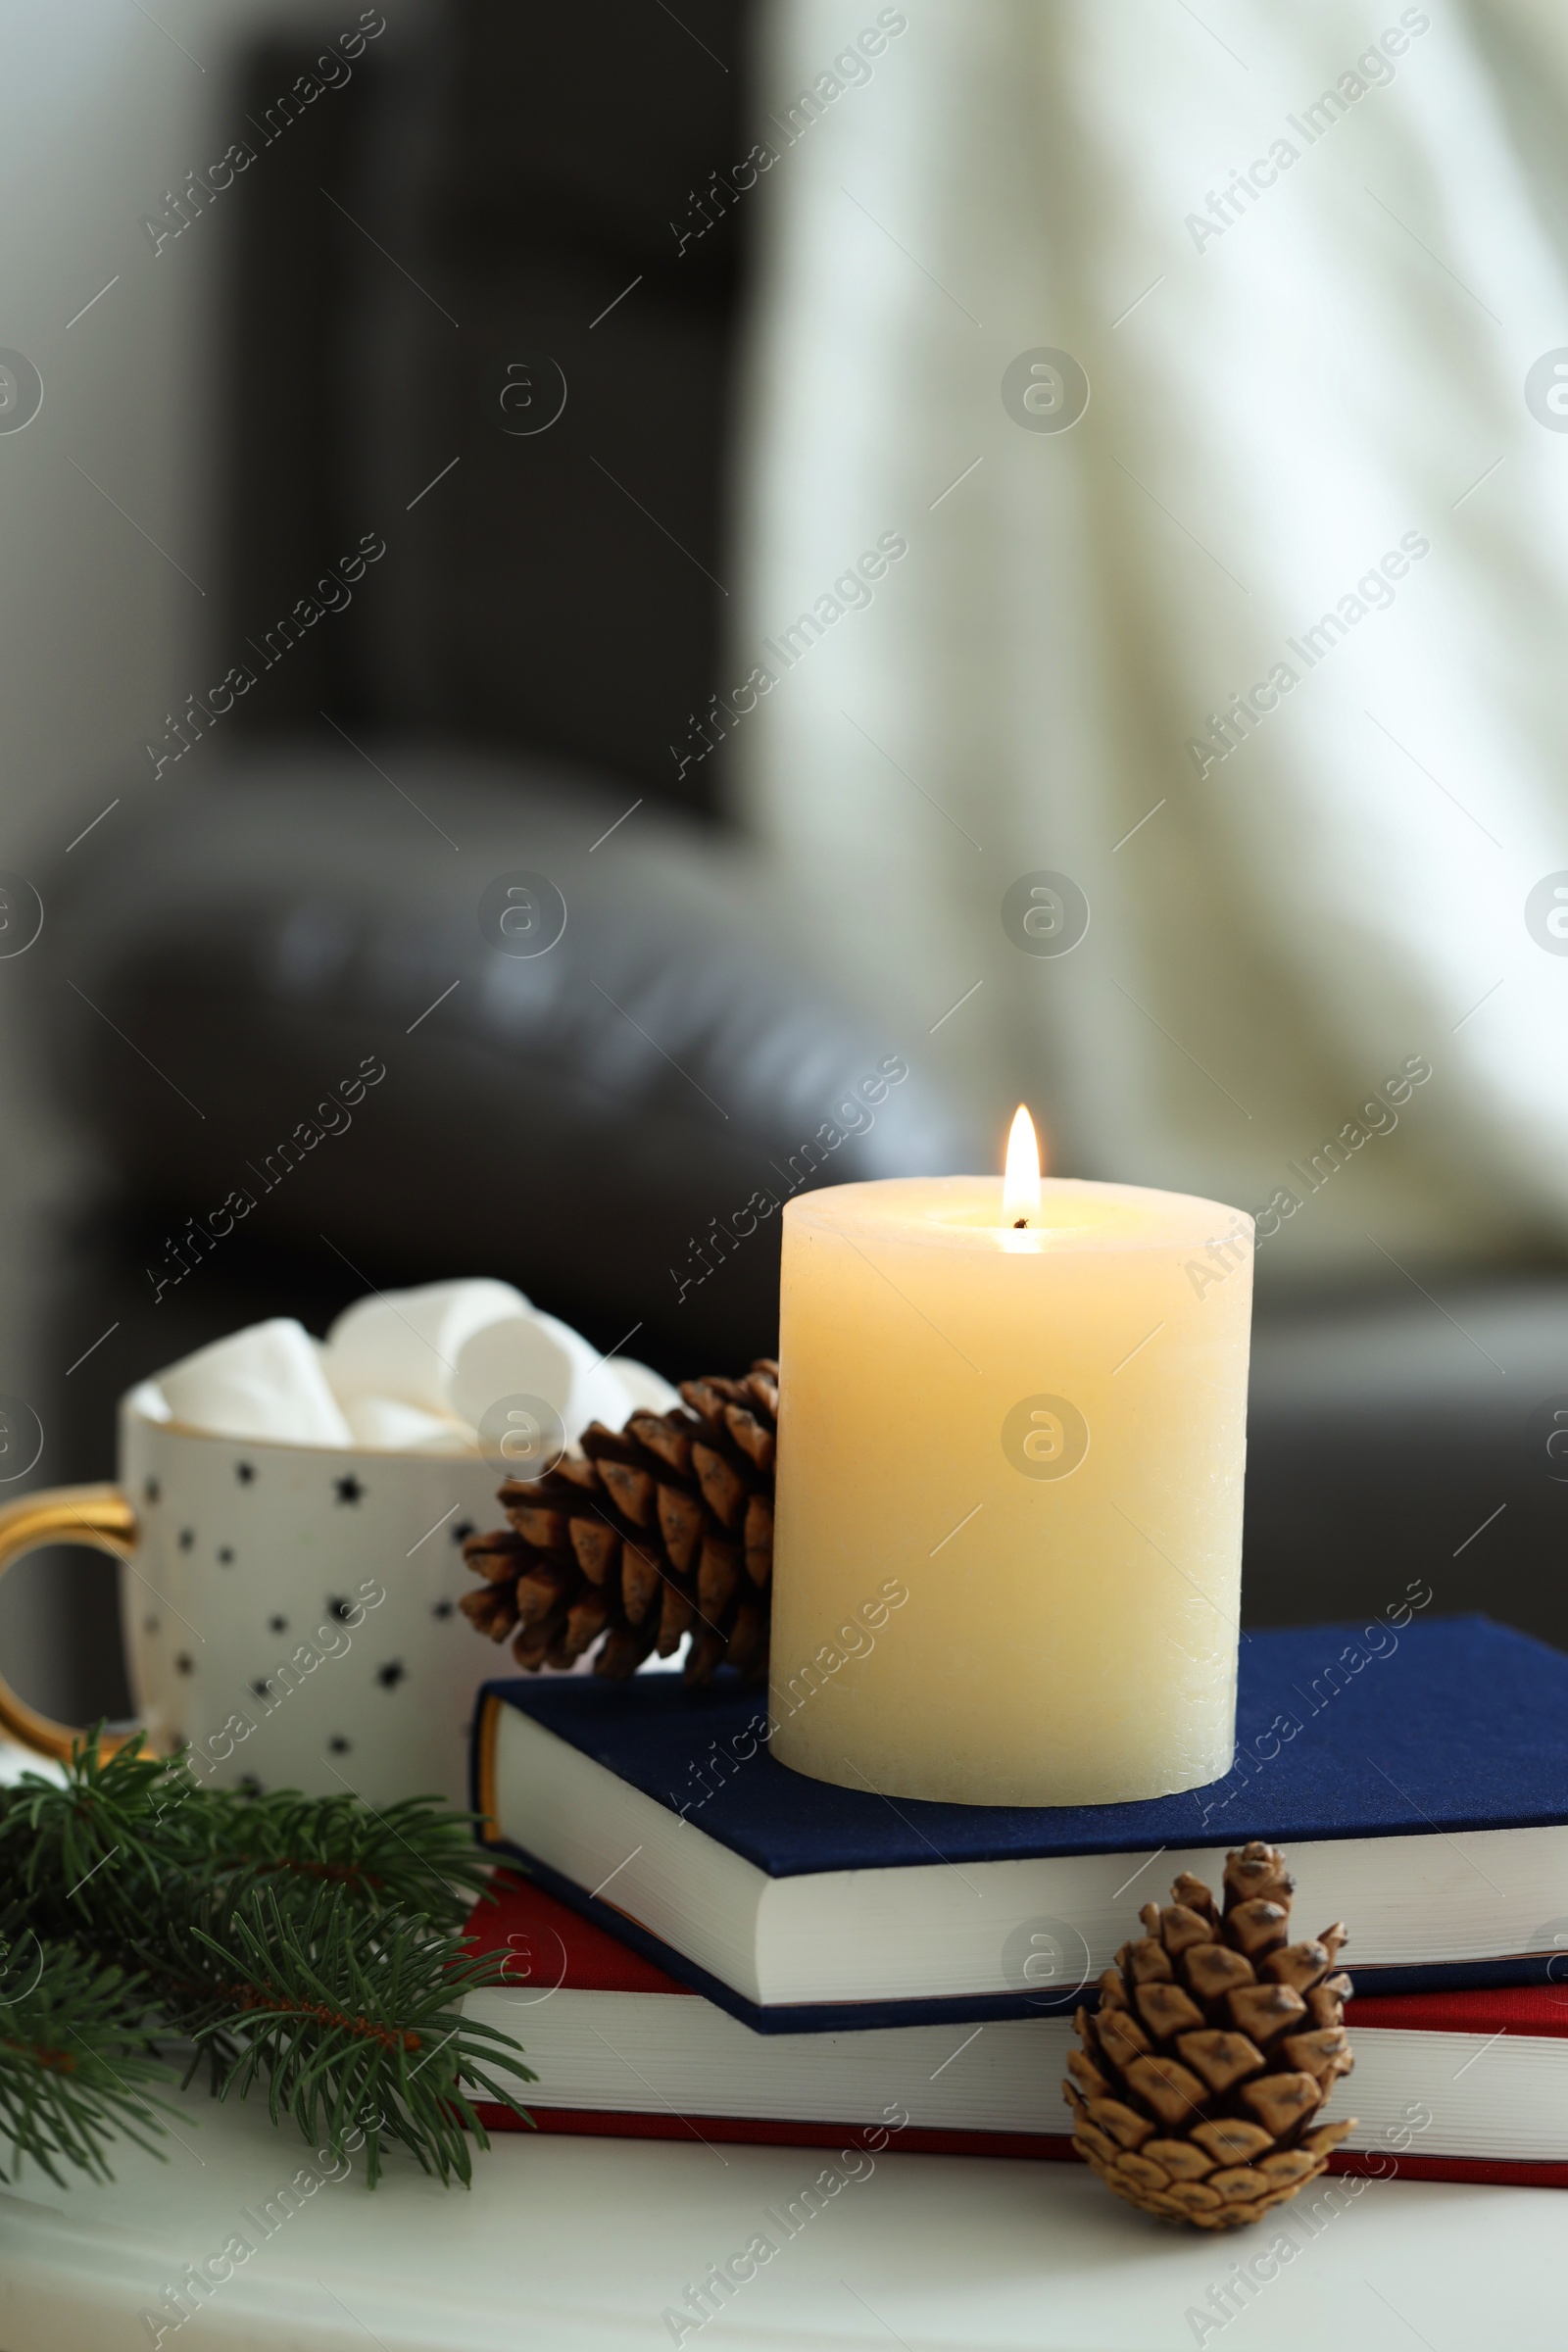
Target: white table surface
581,2243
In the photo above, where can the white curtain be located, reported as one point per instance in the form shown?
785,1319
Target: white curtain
1289,381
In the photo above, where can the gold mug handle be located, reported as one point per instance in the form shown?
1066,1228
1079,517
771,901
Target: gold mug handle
99,1517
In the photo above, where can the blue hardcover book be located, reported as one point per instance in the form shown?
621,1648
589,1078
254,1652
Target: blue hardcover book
1418,1780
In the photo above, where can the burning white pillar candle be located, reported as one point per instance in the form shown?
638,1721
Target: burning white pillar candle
1011,1439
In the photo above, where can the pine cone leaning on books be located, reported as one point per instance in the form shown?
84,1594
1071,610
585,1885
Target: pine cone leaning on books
1215,2044
643,1535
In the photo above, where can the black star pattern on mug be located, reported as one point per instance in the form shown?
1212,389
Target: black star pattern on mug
151,1490
349,1489
260,1688
248,1785
149,1625
391,1675
341,1611
225,1555
188,1537
277,1625
244,1472
463,1531
185,1664
442,1608
338,1744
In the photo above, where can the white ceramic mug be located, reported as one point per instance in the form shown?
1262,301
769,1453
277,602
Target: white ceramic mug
289,1611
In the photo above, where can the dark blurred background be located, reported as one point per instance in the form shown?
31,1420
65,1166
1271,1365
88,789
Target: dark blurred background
469,475
478,629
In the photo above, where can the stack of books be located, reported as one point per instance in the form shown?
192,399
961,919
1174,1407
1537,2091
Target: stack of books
703,1944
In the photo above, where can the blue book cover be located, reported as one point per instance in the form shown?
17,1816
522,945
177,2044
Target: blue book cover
1451,1726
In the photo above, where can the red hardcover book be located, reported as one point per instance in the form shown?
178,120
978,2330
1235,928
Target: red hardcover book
1448,2086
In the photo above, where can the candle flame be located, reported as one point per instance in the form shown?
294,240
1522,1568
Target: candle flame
1020,1185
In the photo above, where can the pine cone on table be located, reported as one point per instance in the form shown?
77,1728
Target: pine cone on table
643,1535
1215,2046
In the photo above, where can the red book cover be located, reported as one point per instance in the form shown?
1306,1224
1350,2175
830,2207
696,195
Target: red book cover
548,1946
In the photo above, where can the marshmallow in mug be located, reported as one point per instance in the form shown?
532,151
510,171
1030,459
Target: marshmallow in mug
406,1372
538,1356
405,1346
267,1382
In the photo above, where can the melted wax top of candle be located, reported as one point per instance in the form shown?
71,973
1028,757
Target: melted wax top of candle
966,1213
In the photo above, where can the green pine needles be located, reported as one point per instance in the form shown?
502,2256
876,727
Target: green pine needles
309,1946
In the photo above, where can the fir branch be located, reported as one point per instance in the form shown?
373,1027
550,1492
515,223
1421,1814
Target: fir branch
125,1821
74,2054
100,1828
307,1942
358,2027
415,1854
